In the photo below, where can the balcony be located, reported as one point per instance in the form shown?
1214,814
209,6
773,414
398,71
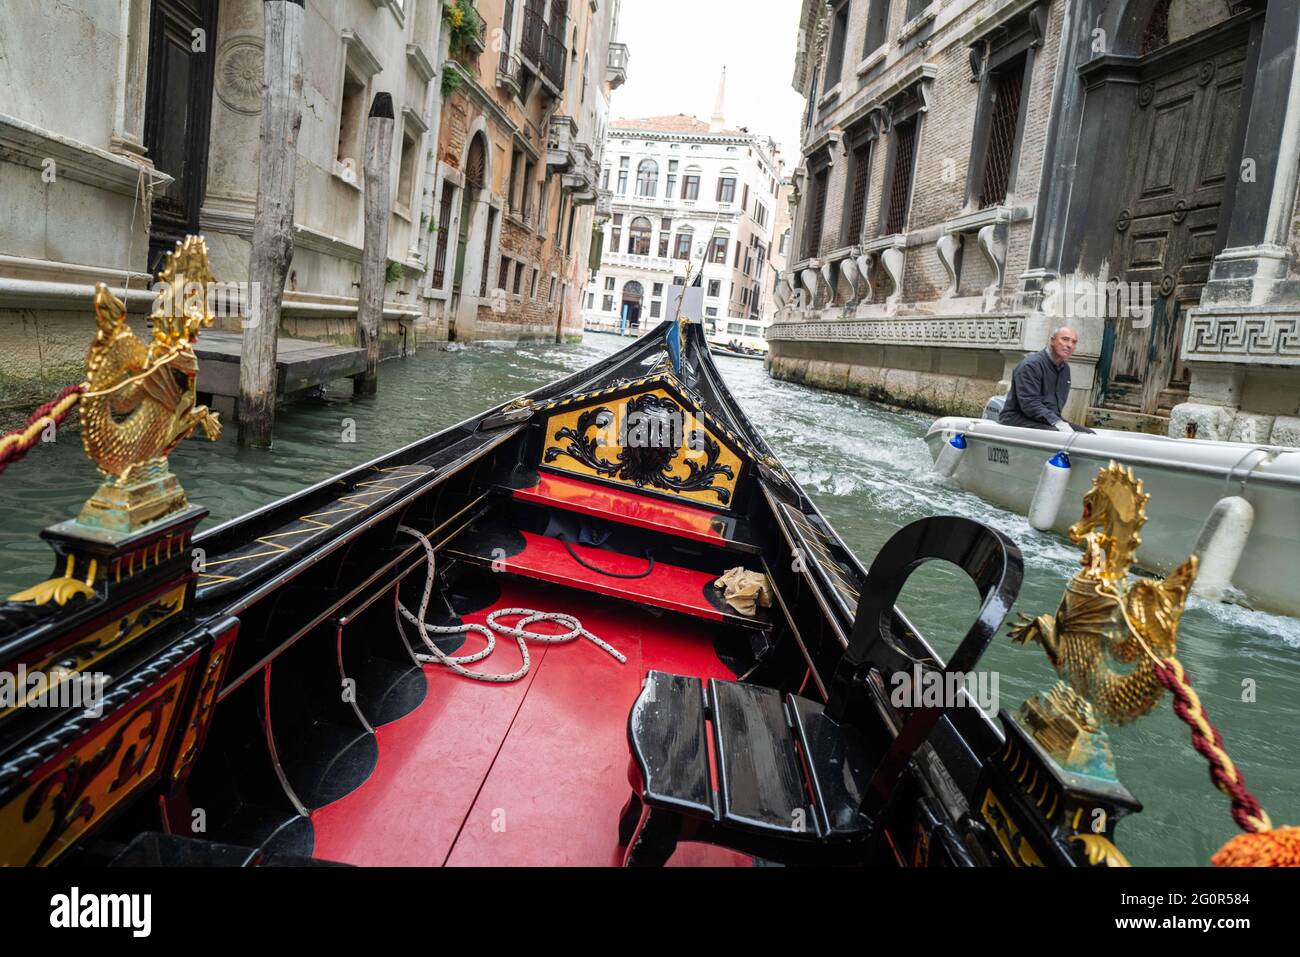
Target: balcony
560,142
604,205
616,65
508,70
531,43
553,60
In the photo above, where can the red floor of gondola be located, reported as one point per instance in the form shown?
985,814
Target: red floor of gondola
528,773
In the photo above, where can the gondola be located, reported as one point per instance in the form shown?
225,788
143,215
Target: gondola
307,683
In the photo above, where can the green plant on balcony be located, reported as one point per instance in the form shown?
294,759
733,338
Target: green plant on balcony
464,25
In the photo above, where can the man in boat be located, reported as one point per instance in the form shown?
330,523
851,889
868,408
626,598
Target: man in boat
1040,386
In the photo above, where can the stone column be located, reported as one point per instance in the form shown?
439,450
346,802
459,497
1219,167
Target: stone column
133,71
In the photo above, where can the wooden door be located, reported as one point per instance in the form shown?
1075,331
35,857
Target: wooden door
178,110
1181,146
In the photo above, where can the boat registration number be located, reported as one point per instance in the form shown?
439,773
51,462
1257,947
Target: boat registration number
999,455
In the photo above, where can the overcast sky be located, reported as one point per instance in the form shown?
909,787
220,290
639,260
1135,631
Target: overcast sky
677,49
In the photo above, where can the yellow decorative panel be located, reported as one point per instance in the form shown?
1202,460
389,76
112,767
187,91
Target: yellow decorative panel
650,440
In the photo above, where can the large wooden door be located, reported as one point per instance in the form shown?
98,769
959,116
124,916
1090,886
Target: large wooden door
1181,146
178,110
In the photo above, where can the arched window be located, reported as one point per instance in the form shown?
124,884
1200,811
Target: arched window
682,250
647,178
638,243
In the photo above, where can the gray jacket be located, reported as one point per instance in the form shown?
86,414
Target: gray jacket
1039,389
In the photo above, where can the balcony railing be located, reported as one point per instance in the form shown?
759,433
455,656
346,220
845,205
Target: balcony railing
616,65
532,41
553,60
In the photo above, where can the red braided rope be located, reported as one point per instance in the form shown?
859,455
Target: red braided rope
1246,810
14,445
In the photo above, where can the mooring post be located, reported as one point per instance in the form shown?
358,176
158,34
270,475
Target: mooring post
272,246
374,254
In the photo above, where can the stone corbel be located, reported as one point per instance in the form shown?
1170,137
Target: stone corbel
950,248
849,270
893,259
809,279
863,264
993,244
828,275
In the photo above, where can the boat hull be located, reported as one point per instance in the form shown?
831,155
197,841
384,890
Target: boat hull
1184,478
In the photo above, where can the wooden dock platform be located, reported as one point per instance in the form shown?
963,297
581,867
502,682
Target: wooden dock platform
300,364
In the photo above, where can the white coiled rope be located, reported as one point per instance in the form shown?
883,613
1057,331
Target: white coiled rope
519,631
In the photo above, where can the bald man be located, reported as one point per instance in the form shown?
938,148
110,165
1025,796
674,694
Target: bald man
1040,386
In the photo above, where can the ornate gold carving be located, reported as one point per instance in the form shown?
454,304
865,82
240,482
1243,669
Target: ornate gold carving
1103,620
1003,825
70,795
59,590
139,403
1100,850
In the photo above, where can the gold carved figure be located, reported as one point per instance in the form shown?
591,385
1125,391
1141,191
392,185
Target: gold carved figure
140,398
1108,631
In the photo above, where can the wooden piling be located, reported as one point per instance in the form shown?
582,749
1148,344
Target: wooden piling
374,254
272,245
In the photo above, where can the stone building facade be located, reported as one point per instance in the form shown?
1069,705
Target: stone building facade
975,173
516,172
685,190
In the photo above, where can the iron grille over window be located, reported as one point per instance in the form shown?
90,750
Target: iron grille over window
444,229
858,196
1157,32
816,213
1003,126
900,189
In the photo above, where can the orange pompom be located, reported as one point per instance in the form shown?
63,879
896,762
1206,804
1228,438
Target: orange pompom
1279,847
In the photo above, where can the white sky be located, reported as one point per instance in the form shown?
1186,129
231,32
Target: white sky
676,51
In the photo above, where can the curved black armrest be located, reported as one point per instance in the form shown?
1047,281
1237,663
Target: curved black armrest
991,560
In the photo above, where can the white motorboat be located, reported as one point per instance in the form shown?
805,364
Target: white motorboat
1186,479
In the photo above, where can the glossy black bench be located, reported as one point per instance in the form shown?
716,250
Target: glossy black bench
791,780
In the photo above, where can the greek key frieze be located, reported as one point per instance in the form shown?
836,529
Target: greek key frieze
967,331
1248,336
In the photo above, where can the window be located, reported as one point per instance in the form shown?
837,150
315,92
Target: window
604,179
622,182
516,171
487,252
812,97
715,288
679,280
877,26
744,201
533,285
859,175
607,304
835,53
812,234
914,8
638,242
657,289
591,300
726,189
710,310
609,283
503,273
616,234
352,122
718,250
527,203
1005,85
655,308
647,178
406,171
683,247
519,278
900,185
568,235
444,231
691,185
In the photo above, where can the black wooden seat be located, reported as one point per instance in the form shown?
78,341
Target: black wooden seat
790,779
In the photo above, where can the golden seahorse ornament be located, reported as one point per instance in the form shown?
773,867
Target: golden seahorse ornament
1095,639
139,400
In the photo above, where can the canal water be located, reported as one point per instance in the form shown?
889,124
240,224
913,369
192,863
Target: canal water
868,470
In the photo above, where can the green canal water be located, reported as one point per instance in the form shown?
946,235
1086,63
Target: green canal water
868,470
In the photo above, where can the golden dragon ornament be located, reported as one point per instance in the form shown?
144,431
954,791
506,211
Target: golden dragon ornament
1103,635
